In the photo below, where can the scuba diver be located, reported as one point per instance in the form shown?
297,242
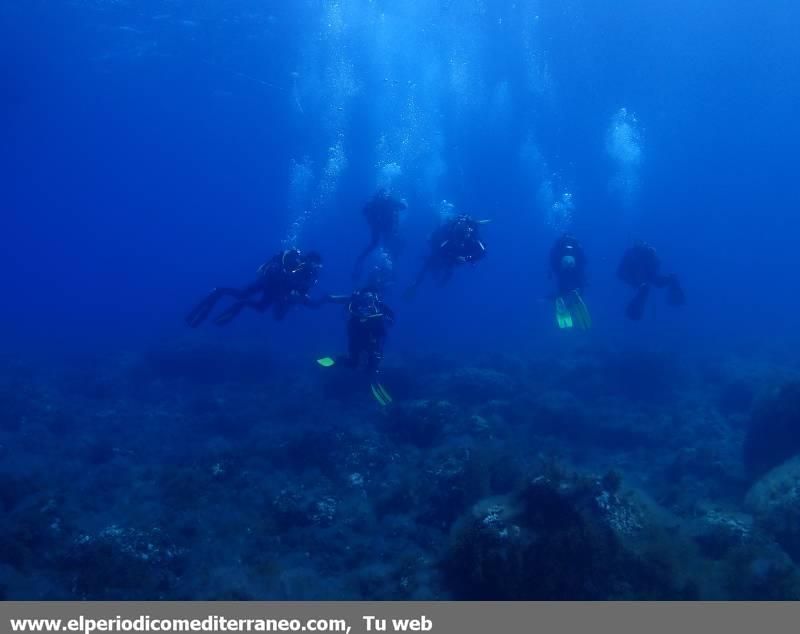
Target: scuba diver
367,328
640,268
568,266
282,282
383,216
456,242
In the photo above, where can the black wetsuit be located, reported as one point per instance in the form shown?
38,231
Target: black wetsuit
640,268
282,282
456,242
367,327
383,215
572,278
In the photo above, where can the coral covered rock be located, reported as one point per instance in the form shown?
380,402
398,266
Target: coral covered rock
549,542
775,502
124,562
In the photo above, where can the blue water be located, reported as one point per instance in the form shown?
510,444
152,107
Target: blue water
154,149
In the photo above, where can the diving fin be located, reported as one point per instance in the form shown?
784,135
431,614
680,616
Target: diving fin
386,396
563,316
580,312
381,395
200,312
326,362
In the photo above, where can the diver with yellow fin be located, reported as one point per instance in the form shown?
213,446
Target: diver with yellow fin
568,266
367,328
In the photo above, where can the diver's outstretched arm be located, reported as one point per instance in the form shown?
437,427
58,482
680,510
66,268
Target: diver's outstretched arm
325,299
337,299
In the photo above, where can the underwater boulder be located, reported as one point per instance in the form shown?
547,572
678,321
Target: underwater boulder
773,435
563,536
761,572
123,563
536,546
298,506
30,528
775,503
720,532
454,478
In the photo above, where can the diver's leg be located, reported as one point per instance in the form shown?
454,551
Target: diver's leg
354,347
373,244
394,244
375,356
228,315
675,294
635,309
199,313
426,268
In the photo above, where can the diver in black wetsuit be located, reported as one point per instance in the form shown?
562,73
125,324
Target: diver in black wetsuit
456,242
367,327
640,268
568,265
282,282
383,215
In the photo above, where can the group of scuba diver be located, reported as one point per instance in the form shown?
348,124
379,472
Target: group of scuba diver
287,279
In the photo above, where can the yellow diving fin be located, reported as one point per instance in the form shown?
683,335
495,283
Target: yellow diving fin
326,362
381,395
580,312
563,316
